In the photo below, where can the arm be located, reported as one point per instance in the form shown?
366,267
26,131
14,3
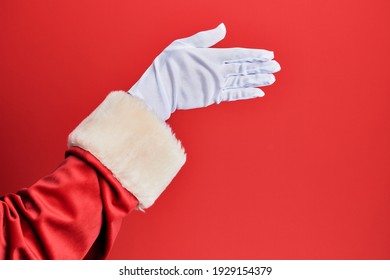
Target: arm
120,157
123,155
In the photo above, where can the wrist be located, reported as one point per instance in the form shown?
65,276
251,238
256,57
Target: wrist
139,149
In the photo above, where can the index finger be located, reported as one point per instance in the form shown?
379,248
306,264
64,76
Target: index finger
243,55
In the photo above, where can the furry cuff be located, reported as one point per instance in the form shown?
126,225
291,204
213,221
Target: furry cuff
130,140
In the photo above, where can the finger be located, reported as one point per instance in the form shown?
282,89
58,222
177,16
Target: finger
242,55
240,94
203,39
256,80
239,69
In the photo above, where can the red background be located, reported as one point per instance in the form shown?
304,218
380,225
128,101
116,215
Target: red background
303,173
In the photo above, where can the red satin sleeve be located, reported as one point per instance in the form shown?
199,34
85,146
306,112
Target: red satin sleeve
73,213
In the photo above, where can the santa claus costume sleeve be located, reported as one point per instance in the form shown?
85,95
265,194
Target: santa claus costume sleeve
120,158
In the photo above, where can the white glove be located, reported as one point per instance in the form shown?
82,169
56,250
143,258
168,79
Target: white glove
188,74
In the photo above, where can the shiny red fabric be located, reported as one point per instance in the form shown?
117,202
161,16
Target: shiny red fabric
73,213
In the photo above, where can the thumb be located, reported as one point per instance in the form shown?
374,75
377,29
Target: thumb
203,39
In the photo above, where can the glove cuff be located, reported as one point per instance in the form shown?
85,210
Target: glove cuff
140,150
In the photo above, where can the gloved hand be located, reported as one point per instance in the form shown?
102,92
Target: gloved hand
188,74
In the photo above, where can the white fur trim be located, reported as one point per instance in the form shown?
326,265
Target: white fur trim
139,149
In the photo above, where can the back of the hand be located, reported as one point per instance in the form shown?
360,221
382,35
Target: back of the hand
188,74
